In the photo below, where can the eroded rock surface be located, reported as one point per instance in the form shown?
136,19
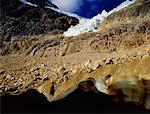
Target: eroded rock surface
116,59
18,19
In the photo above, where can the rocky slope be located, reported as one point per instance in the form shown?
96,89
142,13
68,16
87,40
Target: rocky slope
116,59
137,12
18,19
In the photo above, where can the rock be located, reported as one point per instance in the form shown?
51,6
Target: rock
65,73
63,50
12,78
1,91
43,65
36,73
6,89
45,77
109,61
1,88
66,78
74,71
61,69
95,66
146,55
87,63
9,77
15,84
52,90
97,35
32,53
15,92
34,69
2,71
86,70
20,80
20,20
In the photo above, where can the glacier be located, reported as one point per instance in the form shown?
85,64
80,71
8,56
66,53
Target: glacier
91,25
85,25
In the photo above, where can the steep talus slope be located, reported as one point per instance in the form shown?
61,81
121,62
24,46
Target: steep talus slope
18,19
116,59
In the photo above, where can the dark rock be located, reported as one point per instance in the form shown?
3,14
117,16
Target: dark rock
2,71
18,19
52,91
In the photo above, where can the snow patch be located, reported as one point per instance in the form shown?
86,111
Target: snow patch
28,3
57,10
91,25
122,5
65,12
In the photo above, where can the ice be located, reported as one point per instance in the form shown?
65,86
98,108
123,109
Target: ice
85,25
91,25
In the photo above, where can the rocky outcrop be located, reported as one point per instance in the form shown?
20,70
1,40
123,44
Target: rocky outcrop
137,12
116,59
18,19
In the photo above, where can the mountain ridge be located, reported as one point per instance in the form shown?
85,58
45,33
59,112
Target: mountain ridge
18,19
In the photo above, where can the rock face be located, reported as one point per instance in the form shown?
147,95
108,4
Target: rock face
18,19
116,59
137,12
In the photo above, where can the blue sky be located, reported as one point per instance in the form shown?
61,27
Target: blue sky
87,8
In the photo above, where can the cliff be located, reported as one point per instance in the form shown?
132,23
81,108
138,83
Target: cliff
18,19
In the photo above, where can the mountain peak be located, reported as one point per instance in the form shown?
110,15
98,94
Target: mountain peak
19,19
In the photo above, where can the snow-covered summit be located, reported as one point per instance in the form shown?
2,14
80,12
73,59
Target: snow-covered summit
89,25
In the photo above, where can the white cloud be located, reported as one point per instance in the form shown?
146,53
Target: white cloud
67,5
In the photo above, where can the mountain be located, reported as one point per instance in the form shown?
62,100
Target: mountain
90,25
18,19
136,13
114,60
